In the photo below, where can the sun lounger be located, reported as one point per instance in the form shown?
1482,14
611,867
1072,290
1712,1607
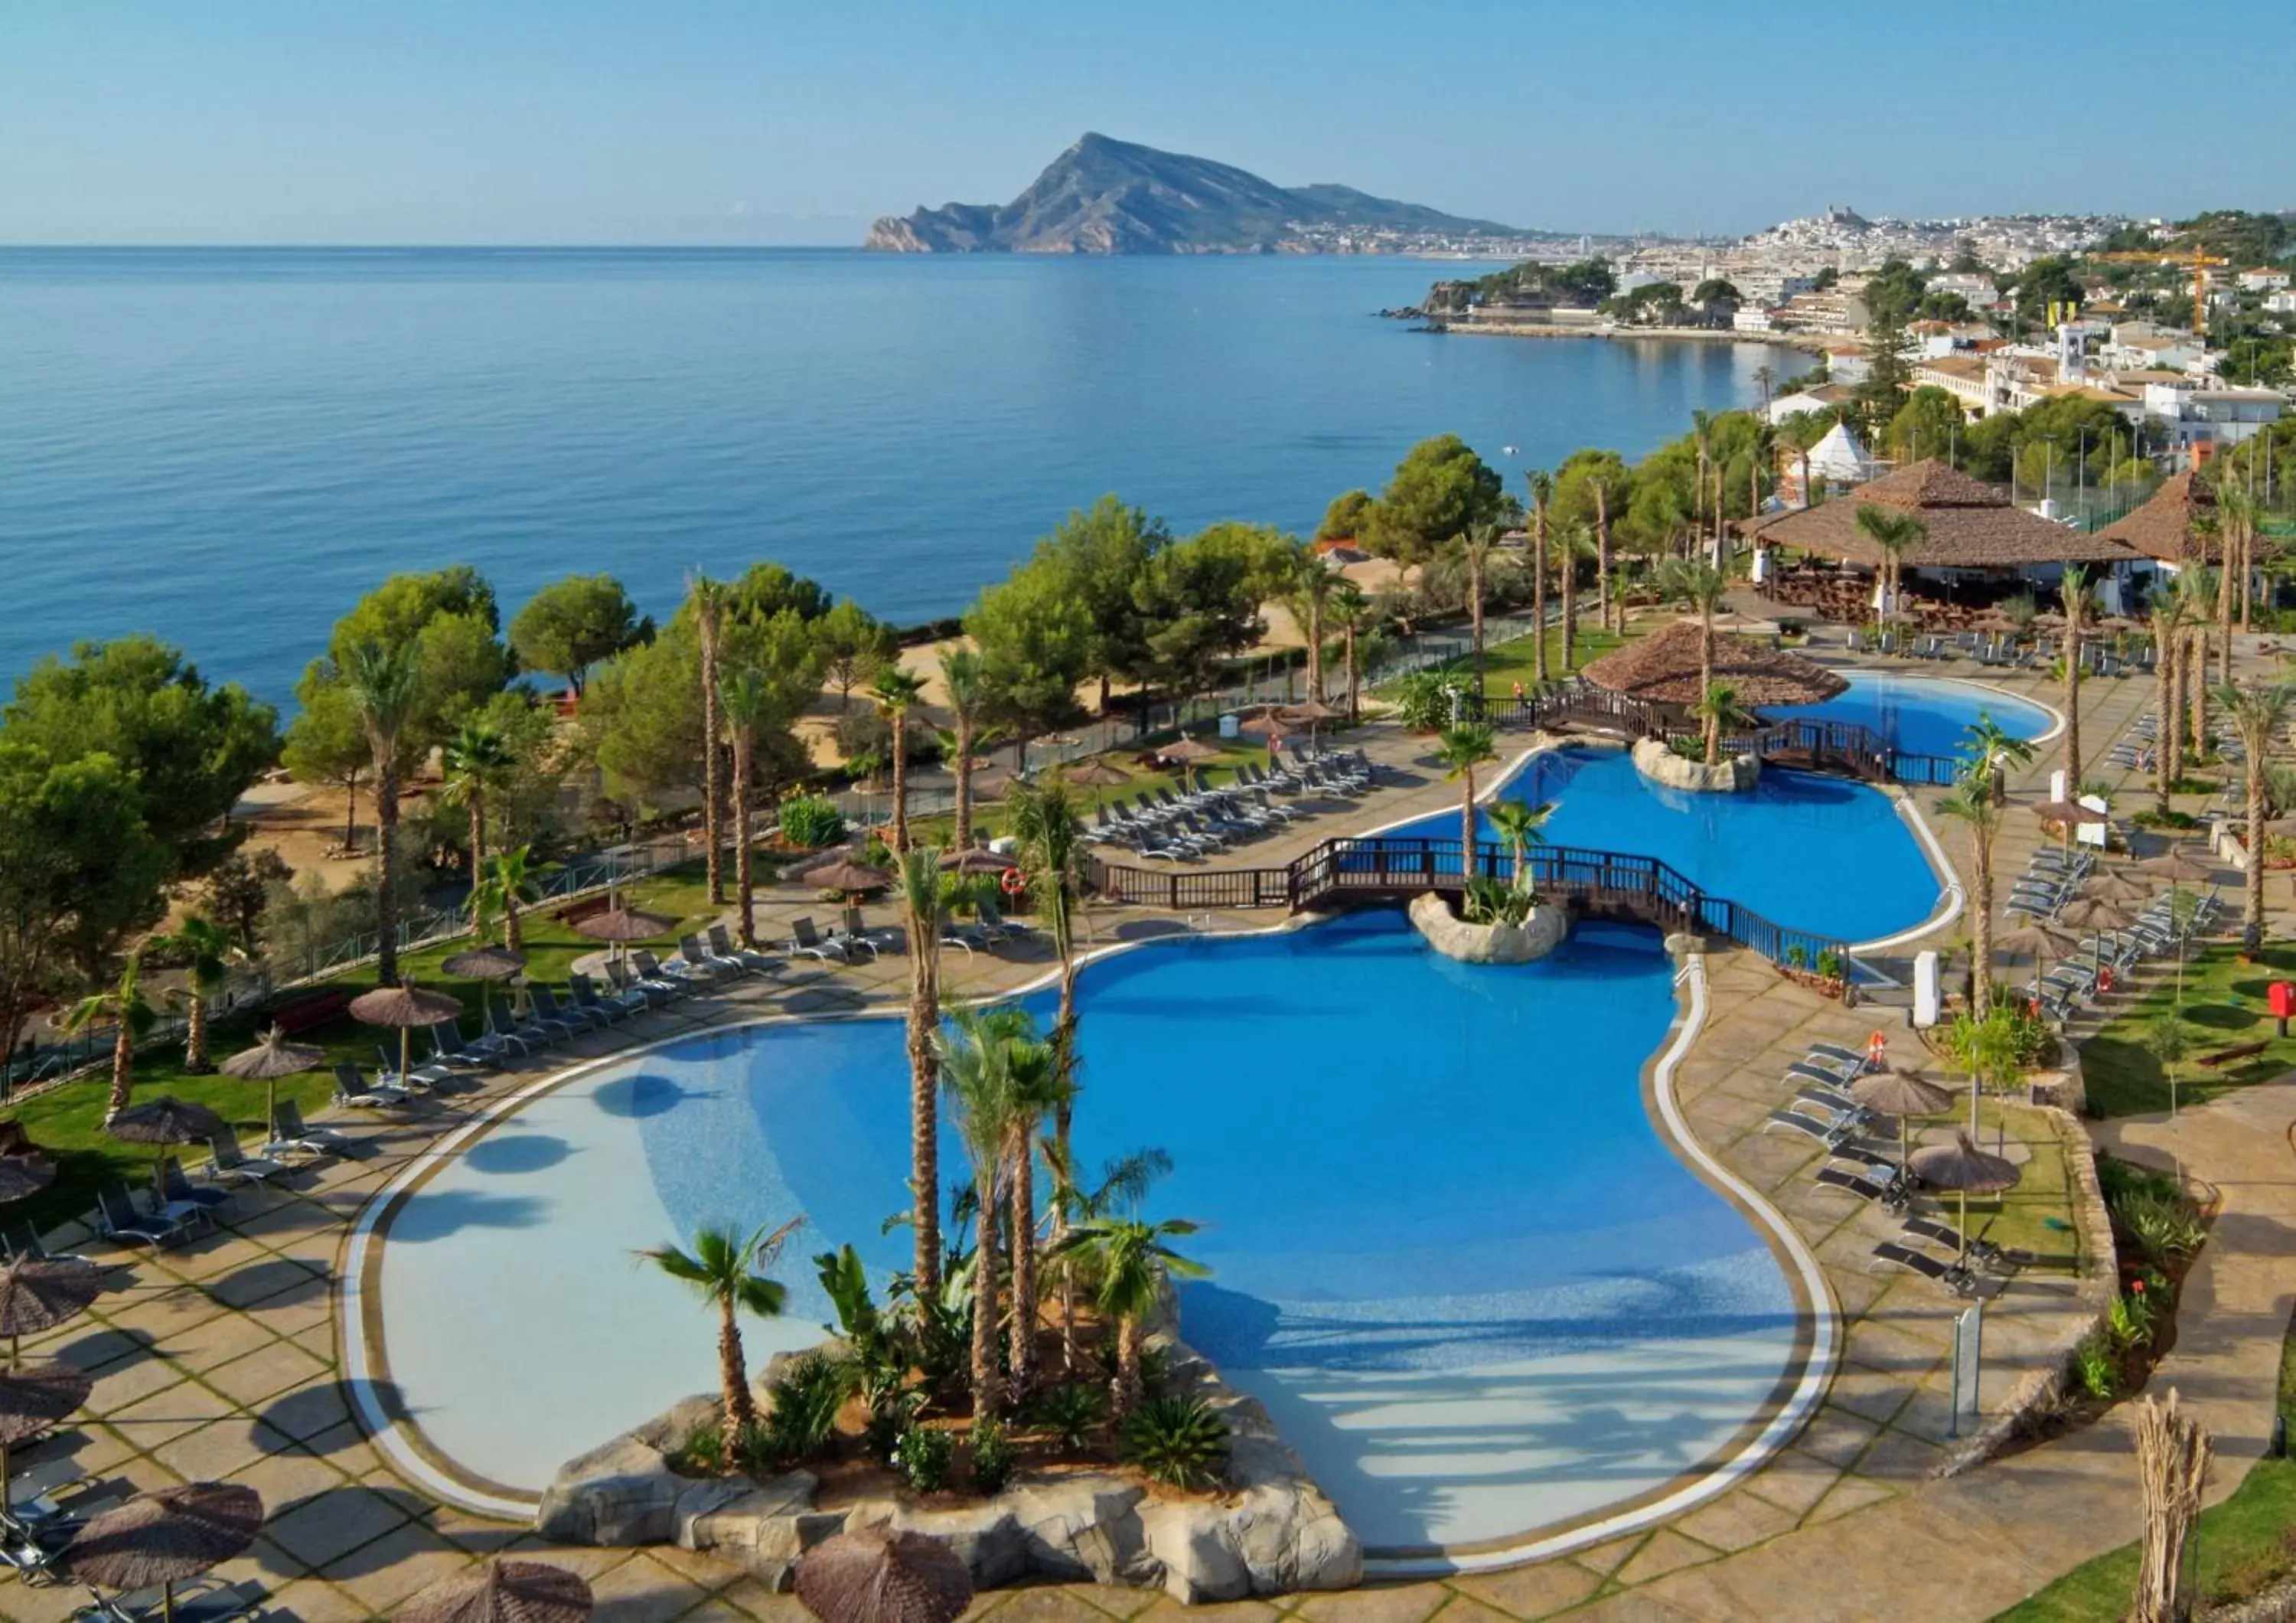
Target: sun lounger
180,1197
1887,1195
533,1030
1953,1276
290,1133
856,928
1830,1076
692,959
1826,1132
23,1244
681,981
227,1159
722,944
550,1010
1848,1059
619,1006
354,1090
1984,1251
118,1217
422,1079
448,1048
807,942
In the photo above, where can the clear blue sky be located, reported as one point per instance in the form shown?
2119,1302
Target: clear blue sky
772,121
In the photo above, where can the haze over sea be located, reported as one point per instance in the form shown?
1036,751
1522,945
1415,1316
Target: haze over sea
227,447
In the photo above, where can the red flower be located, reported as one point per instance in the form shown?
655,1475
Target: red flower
2136,1284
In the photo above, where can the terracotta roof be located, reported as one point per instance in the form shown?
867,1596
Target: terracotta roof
2171,525
1663,666
1969,525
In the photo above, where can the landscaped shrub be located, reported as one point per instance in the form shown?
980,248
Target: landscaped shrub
810,820
1071,1413
993,1456
2164,1226
702,1453
1178,1441
924,1457
1493,901
2096,1367
2130,1321
805,1399
1424,699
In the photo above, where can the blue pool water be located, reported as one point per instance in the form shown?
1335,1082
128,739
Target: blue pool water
1450,1253
1925,715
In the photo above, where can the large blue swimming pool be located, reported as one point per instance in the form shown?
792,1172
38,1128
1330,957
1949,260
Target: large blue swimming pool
1925,715
1451,1254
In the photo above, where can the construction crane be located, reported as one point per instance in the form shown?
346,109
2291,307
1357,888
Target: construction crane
2200,264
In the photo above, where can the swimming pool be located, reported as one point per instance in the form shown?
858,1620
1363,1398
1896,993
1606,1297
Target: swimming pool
1451,1254
1923,716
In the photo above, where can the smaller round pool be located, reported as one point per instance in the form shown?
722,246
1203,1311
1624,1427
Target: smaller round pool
1923,715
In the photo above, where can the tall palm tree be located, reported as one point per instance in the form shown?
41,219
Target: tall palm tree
1575,542
2237,515
1461,751
708,599
132,1020
2073,590
746,701
506,888
208,950
1472,551
1542,495
1131,1260
965,680
1521,825
1971,803
385,689
1718,711
2233,521
1602,592
974,1051
1124,1183
896,691
1758,456
1892,533
923,893
2256,713
2167,618
1314,585
2202,589
1705,588
476,759
1702,429
728,1272
1991,749
1036,1091
1047,823
1351,607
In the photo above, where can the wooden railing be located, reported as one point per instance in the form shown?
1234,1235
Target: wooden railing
1604,882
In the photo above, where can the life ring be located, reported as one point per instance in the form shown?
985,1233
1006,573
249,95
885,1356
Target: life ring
2104,978
1013,882
1877,1051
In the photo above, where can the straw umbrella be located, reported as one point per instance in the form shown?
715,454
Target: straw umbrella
483,964
620,926
1901,1093
502,1592
1963,1168
32,1400
2115,887
1314,714
268,1061
404,1008
2177,865
1187,752
1270,727
2039,940
166,1536
1097,774
40,1293
165,1120
2094,913
979,861
847,875
875,1575
22,1176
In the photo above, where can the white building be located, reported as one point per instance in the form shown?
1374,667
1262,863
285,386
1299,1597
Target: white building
2216,417
2264,279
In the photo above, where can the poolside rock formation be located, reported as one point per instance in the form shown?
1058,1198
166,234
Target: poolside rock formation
1271,1532
1660,765
1540,932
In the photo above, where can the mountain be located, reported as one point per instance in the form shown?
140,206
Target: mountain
1103,196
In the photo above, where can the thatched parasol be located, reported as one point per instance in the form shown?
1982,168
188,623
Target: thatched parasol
165,1120
1187,752
404,1008
847,875
2115,887
166,1536
1663,667
2067,811
2094,913
483,964
24,1175
623,924
2177,865
37,1294
979,861
502,1591
2038,939
1963,1168
32,1400
995,783
873,1575
1901,1093
268,1061
1096,774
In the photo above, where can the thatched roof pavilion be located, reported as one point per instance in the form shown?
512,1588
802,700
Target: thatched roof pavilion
1663,668
1969,525
2178,525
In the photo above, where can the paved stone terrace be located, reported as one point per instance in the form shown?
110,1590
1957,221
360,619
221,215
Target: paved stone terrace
219,1360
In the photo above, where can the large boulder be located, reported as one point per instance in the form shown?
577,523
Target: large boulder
1540,933
1733,774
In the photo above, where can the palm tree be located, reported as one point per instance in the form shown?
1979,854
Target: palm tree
1603,595
1314,585
1352,608
2257,714
924,891
1991,749
1574,543
1702,428
1718,711
1036,1091
1972,802
1892,533
476,759
1542,493
133,1019
2167,606
965,678
1047,824
709,597
1473,551
2237,514
2202,589
208,950
895,690
728,1272
507,886
974,1053
1704,588
1759,455
746,700
1131,1261
384,689
1124,1182
2073,588
1461,751
1519,824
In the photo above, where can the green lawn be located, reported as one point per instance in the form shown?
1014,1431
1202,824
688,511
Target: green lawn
2224,1001
1505,663
69,1120
2036,1215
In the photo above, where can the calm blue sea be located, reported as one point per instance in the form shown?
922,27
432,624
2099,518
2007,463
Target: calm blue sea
227,447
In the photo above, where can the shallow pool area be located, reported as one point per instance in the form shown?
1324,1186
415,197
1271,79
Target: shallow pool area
1923,716
1451,1252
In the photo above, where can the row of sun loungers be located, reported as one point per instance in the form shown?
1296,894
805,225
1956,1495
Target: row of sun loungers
1187,827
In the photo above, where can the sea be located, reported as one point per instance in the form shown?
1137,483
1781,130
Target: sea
229,447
